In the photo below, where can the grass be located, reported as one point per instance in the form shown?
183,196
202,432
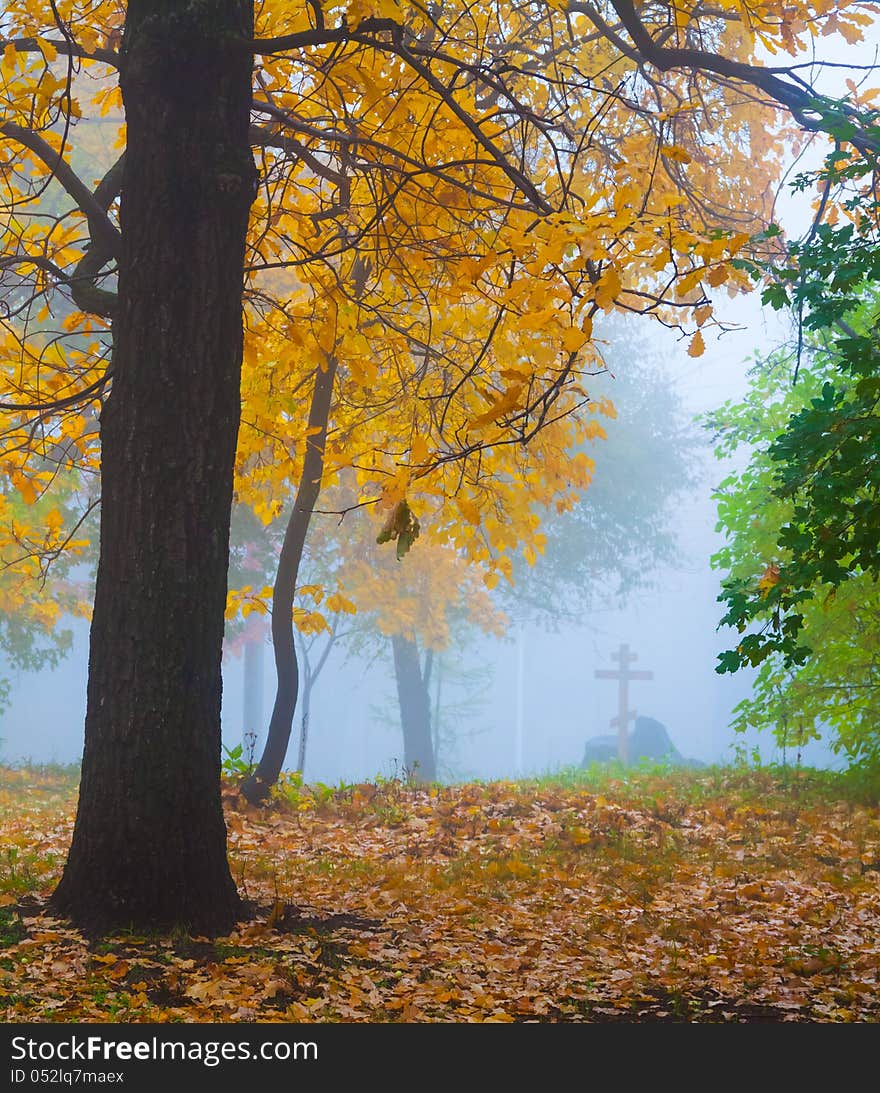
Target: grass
783,782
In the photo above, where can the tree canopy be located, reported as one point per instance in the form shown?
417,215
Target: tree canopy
446,199
831,693
823,460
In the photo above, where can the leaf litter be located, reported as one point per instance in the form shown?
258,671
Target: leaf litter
701,896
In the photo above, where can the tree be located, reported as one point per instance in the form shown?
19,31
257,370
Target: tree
825,454
40,548
612,541
417,604
835,690
489,165
149,841
586,556
409,601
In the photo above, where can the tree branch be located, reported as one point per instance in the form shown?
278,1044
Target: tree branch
810,109
86,294
265,138
101,228
520,181
304,38
65,48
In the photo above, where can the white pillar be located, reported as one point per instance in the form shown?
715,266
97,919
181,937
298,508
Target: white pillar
252,711
520,704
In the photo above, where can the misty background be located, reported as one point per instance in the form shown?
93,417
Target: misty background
532,700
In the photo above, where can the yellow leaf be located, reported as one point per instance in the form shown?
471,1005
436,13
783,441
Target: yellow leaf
48,49
25,487
54,521
501,406
336,603
309,622
468,509
672,151
418,450
697,347
7,65
851,33
608,289
573,339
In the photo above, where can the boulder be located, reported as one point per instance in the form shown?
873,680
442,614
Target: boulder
649,740
599,749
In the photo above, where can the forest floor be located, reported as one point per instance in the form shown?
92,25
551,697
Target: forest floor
717,895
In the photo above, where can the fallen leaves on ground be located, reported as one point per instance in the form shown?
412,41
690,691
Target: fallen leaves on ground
717,895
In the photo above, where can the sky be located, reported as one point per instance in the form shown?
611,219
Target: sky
542,699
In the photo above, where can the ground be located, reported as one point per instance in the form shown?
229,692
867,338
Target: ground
719,895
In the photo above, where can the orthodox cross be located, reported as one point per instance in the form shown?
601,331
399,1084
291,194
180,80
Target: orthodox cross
623,675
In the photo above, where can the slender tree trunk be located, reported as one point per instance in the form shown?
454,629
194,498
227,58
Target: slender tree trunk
308,679
252,699
311,678
415,710
435,720
304,728
257,787
149,845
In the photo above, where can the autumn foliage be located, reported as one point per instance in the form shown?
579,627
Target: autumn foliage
725,895
446,223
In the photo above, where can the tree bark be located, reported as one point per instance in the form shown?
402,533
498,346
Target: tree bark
149,845
415,711
256,788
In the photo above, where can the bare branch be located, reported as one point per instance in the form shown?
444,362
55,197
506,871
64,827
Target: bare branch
266,138
101,228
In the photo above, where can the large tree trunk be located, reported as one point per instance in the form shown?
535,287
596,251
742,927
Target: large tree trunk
149,846
415,711
257,787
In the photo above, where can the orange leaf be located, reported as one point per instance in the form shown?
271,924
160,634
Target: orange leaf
697,347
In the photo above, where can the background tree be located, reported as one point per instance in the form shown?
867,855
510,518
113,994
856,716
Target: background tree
616,538
407,601
417,604
44,575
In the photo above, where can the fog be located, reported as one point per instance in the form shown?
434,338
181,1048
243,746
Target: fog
536,699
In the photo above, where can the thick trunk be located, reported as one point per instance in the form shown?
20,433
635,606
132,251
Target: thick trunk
257,787
149,846
415,711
